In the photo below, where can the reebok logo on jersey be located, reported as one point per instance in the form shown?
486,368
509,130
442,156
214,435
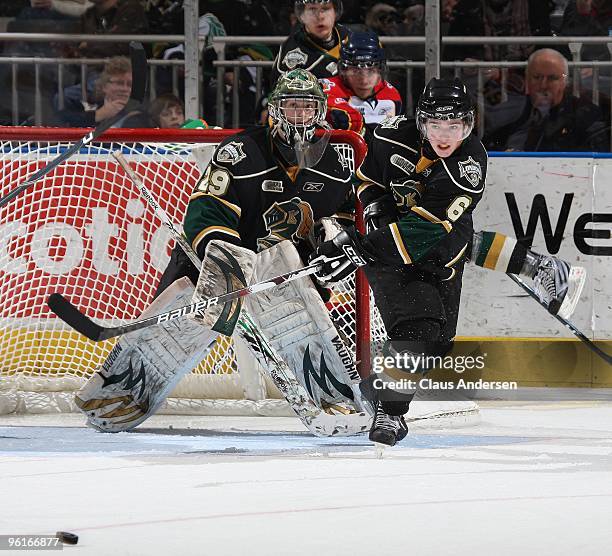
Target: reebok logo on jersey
312,186
272,186
471,171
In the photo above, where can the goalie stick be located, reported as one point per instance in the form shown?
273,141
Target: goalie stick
314,419
139,82
607,358
83,324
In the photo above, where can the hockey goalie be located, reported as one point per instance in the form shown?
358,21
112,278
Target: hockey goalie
253,215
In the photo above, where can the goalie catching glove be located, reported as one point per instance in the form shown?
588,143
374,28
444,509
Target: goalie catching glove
341,256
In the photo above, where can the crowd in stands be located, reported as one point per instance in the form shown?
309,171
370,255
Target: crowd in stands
538,107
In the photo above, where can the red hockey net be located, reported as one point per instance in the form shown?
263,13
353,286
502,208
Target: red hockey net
84,231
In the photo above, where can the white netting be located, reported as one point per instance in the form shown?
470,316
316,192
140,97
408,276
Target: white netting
84,231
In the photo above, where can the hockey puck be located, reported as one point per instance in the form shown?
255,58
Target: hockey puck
67,538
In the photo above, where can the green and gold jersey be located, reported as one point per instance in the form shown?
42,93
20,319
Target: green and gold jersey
435,200
249,196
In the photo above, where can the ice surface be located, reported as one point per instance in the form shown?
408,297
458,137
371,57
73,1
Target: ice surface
531,478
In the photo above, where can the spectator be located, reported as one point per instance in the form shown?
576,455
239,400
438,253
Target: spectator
496,18
112,91
315,44
40,16
549,118
241,17
384,19
359,98
111,17
589,18
209,26
167,110
414,18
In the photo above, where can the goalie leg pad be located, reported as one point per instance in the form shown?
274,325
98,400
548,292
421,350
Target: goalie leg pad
144,367
226,267
295,320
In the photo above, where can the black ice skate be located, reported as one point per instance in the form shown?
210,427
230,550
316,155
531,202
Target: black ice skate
559,285
387,429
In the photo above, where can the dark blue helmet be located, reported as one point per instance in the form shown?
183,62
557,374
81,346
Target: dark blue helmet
362,49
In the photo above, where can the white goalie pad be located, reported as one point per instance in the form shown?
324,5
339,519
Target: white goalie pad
145,366
297,324
226,268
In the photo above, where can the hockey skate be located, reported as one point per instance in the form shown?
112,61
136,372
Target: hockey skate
558,285
387,429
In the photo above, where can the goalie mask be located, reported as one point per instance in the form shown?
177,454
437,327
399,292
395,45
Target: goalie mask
297,106
445,111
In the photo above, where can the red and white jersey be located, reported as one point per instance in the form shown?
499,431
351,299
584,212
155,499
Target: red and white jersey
345,110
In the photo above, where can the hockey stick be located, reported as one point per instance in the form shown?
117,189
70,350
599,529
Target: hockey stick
139,82
607,358
163,215
83,324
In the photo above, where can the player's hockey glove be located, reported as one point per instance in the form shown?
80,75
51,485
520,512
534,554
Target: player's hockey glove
379,213
341,256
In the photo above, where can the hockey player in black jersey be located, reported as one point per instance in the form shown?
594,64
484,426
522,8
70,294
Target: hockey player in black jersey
315,44
272,183
421,181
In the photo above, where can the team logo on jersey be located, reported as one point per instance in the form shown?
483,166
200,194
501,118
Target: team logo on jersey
392,123
332,68
312,186
295,58
402,163
232,153
326,85
342,159
471,171
272,186
291,220
407,193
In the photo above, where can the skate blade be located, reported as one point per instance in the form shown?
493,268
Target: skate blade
380,449
576,281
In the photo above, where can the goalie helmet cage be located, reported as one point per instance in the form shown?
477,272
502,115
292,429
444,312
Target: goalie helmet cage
84,231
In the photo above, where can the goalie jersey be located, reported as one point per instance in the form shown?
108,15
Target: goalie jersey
435,197
248,195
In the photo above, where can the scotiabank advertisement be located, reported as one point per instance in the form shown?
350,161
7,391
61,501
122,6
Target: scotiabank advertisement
85,232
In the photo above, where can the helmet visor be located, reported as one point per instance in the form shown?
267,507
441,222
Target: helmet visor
445,131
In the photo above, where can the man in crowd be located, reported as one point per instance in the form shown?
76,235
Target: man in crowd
548,117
